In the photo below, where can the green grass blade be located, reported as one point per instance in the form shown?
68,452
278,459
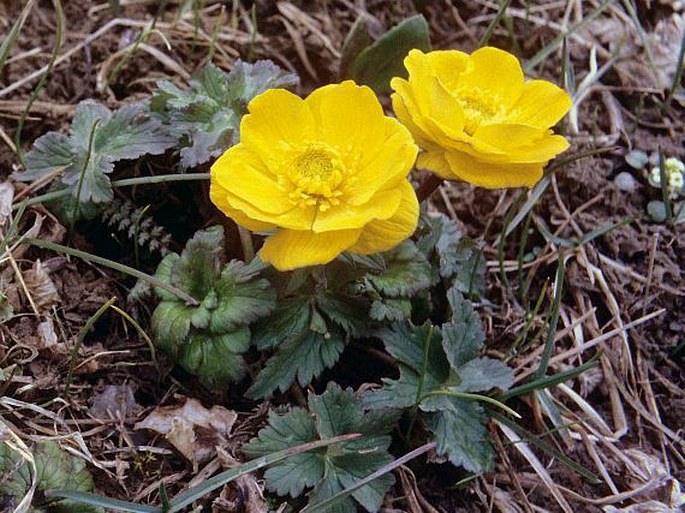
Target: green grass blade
548,381
88,257
188,497
553,318
102,502
549,449
59,40
324,505
11,37
544,53
79,341
532,200
127,182
473,397
493,24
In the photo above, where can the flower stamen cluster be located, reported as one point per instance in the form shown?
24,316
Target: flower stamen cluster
674,169
314,177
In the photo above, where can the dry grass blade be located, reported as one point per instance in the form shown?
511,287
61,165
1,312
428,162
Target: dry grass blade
11,440
522,447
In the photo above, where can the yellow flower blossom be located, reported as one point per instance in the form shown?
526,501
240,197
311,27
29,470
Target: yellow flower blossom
323,175
477,119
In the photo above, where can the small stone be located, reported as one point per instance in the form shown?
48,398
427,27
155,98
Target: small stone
625,182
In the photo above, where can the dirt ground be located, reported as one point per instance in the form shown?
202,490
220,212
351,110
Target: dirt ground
623,301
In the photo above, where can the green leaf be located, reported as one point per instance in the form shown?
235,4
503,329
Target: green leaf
422,362
302,357
481,374
54,469
377,64
390,309
163,273
348,312
435,366
171,326
245,81
357,39
128,133
215,359
205,118
295,474
407,272
131,133
240,299
470,277
463,336
200,264
290,319
51,152
461,435
333,413
439,238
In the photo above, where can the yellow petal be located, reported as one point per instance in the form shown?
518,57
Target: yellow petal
518,143
350,118
390,166
420,115
277,120
399,105
242,173
493,175
495,73
297,218
542,104
343,216
290,249
434,161
383,235
219,196
448,66
430,95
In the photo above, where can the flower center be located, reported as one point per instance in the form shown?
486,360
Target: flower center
478,109
313,177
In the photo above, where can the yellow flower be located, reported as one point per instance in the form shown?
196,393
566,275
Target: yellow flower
324,175
476,119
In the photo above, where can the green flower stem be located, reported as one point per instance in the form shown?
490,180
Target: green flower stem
113,265
475,397
143,180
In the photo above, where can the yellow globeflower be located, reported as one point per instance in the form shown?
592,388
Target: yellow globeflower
324,175
476,119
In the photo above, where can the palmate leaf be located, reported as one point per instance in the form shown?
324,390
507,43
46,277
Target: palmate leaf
300,358
453,256
205,118
407,272
97,139
436,365
54,469
335,412
215,358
